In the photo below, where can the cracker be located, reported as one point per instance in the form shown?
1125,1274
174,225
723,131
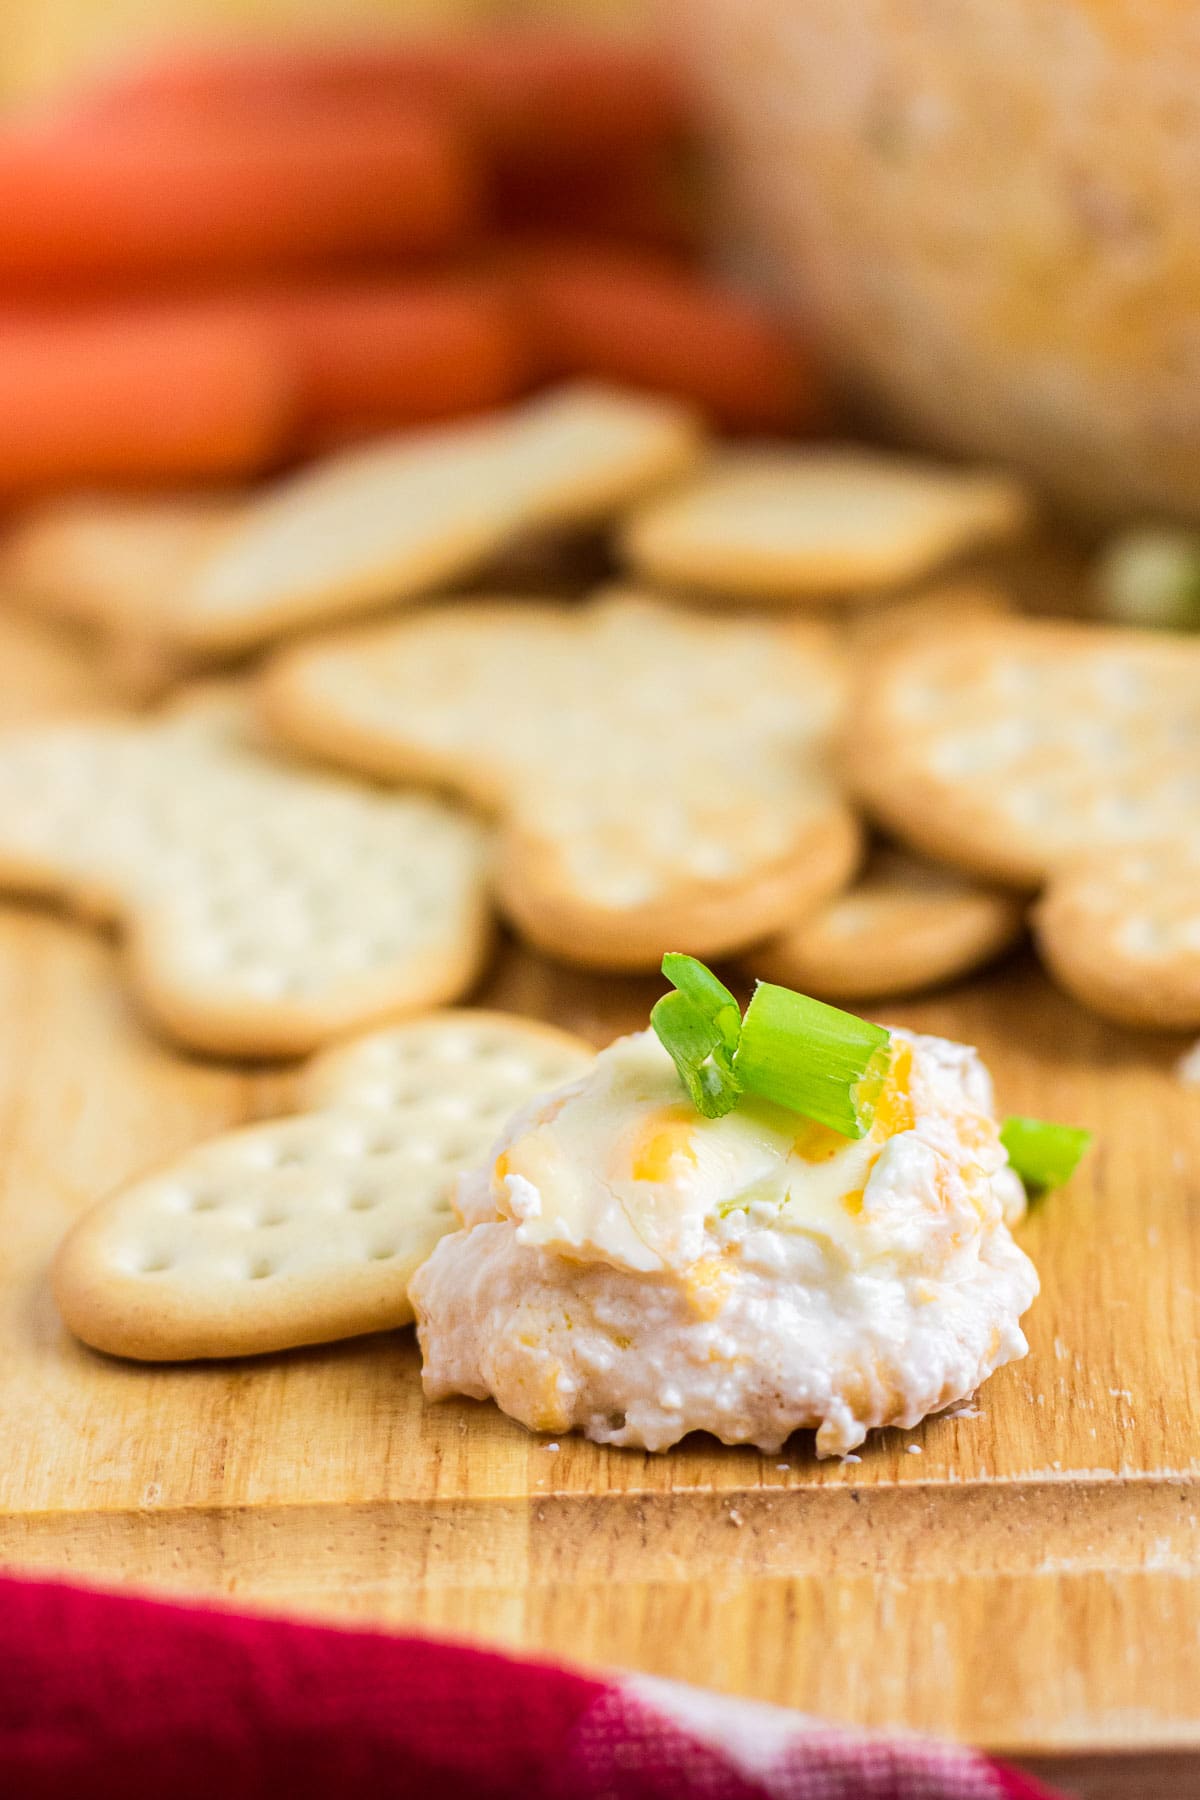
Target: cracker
308,1229
1122,932
1063,756
818,524
886,623
111,561
408,515
903,926
114,564
661,777
1012,748
267,908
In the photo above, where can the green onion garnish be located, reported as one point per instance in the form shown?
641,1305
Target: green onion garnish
707,995
1043,1155
1152,577
798,1052
813,1059
699,1025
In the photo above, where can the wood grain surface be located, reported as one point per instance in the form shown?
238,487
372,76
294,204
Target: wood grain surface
1025,1576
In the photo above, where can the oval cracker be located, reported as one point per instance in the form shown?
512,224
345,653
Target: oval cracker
903,926
818,524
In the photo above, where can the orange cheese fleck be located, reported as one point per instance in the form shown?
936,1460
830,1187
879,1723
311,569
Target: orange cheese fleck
666,1135
816,1143
548,1411
894,1108
706,1285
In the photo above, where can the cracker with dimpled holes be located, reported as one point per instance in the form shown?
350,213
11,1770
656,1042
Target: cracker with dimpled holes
661,777
903,926
408,515
1060,756
818,524
112,563
1122,932
308,1228
267,908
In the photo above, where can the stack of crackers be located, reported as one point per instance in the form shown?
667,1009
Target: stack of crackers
776,733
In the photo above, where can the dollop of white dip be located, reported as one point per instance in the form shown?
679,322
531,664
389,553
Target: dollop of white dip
631,1270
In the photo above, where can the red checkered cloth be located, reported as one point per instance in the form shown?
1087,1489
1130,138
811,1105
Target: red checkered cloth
114,1698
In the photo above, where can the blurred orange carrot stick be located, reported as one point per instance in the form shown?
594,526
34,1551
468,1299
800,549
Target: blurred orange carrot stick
231,191
526,93
390,351
641,319
533,95
640,198
162,394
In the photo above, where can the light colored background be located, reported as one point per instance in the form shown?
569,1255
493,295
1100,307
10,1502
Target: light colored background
47,44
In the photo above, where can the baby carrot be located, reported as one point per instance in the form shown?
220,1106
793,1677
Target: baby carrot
638,197
644,320
232,191
147,394
378,352
527,93
536,95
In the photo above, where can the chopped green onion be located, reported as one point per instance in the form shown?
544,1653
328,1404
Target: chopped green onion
1043,1155
708,995
1152,577
800,1053
698,1050
813,1059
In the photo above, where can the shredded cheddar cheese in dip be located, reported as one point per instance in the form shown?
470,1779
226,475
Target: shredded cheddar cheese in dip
632,1270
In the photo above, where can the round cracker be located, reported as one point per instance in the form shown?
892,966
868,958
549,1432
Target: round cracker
1122,934
310,1228
904,926
1011,748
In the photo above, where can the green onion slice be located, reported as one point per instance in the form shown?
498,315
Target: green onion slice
708,995
813,1059
699,1049
800,1053
1151,576
1043,1155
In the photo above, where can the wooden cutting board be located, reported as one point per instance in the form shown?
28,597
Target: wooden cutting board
1024,1575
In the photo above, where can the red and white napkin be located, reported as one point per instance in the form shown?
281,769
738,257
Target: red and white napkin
116,1698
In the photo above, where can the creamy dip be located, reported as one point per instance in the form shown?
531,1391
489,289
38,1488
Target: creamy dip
634,1271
